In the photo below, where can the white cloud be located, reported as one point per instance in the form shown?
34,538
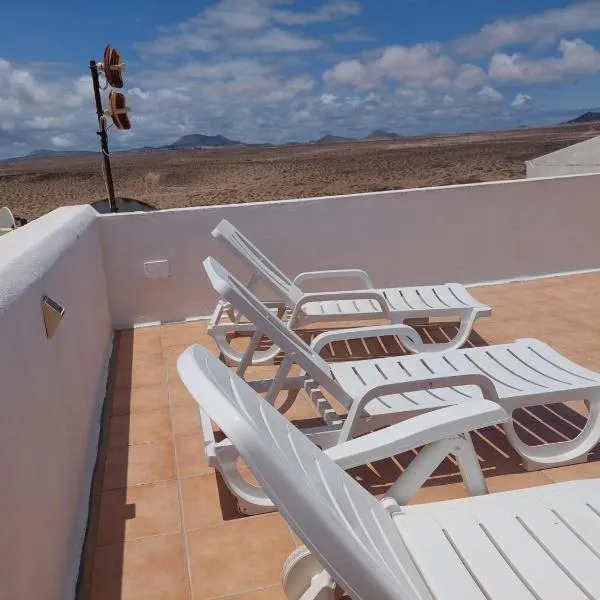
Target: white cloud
522,100
62,141
329,11
422,65
469,77
329,99
23,96
233,26
242,68
578,58
349,72
280,40
540,29
488,93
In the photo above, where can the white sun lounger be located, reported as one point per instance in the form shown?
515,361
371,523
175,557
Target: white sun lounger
541,543
393,304
7,221
518,375
442,433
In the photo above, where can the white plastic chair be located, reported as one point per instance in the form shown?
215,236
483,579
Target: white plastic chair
522,374
301,309
541,543
442,433
7,221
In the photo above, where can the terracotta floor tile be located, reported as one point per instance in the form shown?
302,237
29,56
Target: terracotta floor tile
139,464
579,407
272,593
552,310
140,399
190,455
517,481
203,503
588,470
178,394
264,372
437,493
153,359
179,334
140,428
171,355
301,410
147,569
139,342
141,376
140,511
186,420
261,545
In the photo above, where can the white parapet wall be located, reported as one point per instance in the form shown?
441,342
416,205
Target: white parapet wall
51,396
578,159
468,233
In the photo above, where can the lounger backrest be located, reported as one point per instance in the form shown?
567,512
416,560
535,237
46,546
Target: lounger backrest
278,281
7,220
344,526
243,300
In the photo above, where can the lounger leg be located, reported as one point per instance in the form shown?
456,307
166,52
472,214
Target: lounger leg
469,466
303,578
252,500
419,470
322,587
429,459
464,331
234,357
559,453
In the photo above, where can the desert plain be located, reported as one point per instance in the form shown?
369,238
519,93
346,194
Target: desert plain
179,178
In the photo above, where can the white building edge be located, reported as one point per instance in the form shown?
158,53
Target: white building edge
577,159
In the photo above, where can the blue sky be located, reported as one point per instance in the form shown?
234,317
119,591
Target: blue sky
281,70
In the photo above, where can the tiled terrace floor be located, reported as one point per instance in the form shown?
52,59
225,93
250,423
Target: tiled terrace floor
165,527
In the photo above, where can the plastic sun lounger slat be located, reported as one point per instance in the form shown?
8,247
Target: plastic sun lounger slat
541,543
401,303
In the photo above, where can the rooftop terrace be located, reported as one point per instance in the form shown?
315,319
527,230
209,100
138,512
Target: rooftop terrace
166,525
162,524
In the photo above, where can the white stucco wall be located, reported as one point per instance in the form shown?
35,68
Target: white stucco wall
50,399
542,170
577,159
469,234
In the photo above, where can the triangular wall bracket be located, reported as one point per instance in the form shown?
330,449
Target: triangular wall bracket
53,313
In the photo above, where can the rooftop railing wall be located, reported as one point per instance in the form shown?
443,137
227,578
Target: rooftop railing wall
469,233
51,396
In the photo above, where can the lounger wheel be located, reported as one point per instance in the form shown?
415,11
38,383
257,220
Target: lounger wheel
303,577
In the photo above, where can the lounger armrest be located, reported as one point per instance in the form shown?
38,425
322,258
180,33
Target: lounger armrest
417,431
415,384
335,273
432,382
343,295
402,331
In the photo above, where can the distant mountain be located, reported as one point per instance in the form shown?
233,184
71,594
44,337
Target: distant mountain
588,117
380,134
197,140
49,153
333,139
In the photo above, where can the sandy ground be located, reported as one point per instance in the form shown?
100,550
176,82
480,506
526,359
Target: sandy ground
171,178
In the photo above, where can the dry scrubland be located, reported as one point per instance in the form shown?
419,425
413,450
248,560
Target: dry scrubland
169,178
